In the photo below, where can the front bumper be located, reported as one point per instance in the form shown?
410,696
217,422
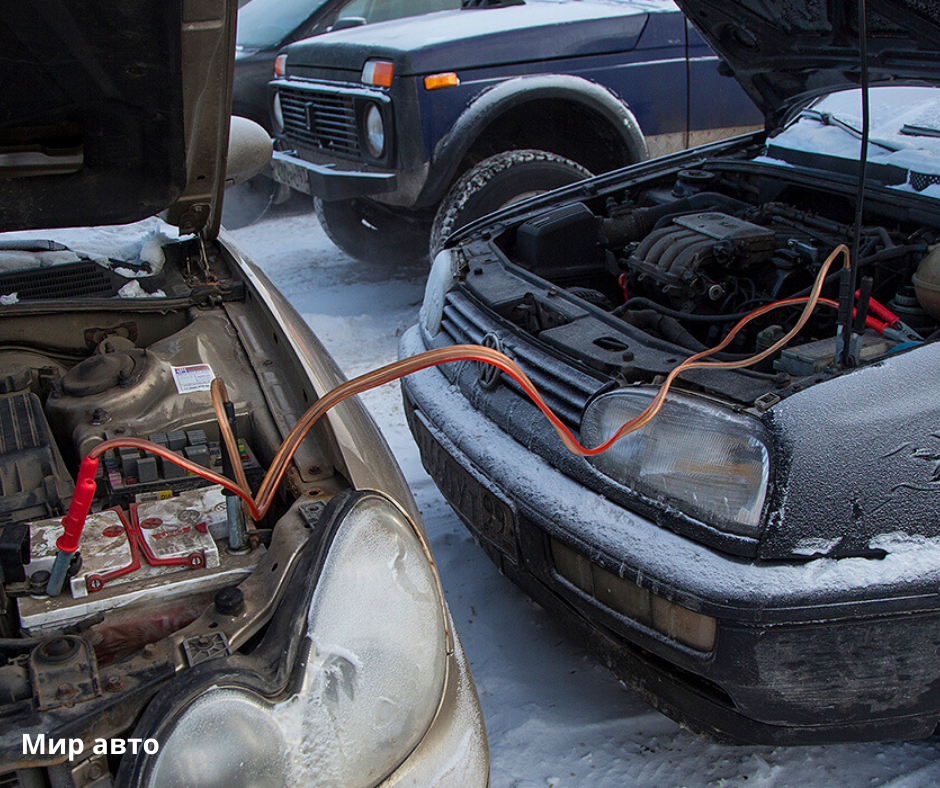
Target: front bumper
328,183
819,652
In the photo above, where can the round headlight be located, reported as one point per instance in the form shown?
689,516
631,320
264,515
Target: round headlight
248,748
375,131
372,675
704,460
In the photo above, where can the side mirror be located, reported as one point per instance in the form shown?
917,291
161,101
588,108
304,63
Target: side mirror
346,22
249,150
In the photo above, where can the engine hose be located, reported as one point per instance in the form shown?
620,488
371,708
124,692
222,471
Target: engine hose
639,302
672,331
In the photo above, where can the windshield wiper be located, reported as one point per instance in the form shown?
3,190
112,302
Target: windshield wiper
37,245
919,131
828,119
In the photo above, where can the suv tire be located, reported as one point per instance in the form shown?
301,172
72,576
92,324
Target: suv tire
497,182
371,234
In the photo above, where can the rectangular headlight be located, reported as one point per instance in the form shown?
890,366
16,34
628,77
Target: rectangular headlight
708,462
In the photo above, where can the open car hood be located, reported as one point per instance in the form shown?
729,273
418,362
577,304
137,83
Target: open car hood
114,111
786,51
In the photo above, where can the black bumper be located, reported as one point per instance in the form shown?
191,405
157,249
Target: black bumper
783,669
328,183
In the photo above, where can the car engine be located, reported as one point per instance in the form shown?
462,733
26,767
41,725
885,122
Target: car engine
155,552
685,257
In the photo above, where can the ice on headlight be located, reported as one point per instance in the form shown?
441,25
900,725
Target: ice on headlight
247,746
375,671
371,677
440,282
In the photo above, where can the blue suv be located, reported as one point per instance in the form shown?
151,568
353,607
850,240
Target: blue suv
411,128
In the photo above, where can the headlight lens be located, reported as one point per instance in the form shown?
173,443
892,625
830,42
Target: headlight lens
375,131
372,681
440,282
707,461
227,737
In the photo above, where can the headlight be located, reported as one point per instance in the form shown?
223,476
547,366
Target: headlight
705,460
373,671
440,282
375,131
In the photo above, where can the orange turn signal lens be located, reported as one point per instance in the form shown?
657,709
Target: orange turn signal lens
280,65
435,81
378,73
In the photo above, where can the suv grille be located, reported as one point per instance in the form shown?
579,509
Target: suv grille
323,120
565,389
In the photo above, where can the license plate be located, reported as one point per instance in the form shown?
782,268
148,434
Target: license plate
488,514
293,175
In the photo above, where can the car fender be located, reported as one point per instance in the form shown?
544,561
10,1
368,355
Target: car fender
451,149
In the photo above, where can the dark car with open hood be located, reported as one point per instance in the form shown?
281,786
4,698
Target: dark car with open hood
238,594
759,556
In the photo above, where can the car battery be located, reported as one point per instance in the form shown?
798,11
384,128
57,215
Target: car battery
801,361
146,556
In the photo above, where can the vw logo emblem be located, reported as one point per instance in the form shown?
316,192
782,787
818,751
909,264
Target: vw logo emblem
487,374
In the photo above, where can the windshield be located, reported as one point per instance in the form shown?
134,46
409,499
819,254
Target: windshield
264,23
904,139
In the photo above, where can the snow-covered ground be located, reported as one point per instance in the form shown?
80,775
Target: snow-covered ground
555,718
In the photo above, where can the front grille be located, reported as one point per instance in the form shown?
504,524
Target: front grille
565,389
323,120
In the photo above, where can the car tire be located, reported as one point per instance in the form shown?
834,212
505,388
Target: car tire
497,182
372,234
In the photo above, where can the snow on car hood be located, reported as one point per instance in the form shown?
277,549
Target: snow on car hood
904,144
133,251
786,51
114,115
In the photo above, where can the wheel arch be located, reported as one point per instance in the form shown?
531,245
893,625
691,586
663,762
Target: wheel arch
539,112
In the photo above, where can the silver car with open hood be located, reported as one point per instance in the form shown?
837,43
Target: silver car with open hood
195,592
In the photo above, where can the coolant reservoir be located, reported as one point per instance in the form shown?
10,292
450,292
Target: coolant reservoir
927,282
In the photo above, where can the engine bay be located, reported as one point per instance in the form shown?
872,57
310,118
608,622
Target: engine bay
79,369
672,263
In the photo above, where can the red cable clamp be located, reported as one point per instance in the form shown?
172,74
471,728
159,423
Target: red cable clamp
74,520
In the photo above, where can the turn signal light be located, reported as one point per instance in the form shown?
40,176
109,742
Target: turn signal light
378,73
280,65
435,81
692,629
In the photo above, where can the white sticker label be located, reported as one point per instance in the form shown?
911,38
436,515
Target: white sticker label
198,377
